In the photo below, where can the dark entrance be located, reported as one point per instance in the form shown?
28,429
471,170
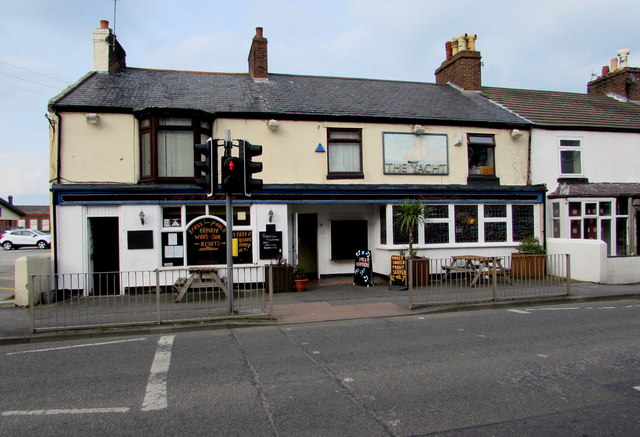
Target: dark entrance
104,255
308,243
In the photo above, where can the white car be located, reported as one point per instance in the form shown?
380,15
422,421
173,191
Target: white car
24,237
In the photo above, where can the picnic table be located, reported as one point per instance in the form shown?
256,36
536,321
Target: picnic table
198,277
476,266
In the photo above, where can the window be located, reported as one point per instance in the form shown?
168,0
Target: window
570,157
344,153
481,150
166,146
348,236
555,219
601,219
522,222
466,217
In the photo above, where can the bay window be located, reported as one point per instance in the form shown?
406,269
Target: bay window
166,146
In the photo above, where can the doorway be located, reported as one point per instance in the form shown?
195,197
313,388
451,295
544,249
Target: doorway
104,255
308,244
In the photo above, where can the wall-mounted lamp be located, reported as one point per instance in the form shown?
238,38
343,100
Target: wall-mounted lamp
92,118
273,124
418,129
270,214
458,140
515,133
141,217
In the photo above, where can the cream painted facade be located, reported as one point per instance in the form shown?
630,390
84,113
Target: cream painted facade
95,157
289,154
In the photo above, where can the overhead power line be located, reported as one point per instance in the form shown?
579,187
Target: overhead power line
66,82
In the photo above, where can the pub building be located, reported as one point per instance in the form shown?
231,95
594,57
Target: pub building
338,154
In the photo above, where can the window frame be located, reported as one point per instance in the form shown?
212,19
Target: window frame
489,146
153,128
567,148
359,174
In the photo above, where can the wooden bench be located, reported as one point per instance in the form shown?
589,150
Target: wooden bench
199,277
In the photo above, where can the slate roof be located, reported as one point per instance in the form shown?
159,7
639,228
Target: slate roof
289,96
601,189
553,109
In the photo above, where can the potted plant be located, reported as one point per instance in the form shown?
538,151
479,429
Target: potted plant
282,275
409,215
300,277
530,260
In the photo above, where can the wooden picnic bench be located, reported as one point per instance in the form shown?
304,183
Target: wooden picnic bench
477,266
199,277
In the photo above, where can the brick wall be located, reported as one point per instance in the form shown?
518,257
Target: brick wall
625,82
461,69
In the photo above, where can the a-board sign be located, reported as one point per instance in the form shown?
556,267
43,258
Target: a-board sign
270,244
207,244
398,276
363,268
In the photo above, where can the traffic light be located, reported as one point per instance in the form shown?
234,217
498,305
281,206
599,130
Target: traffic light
206,170
247,152
232,175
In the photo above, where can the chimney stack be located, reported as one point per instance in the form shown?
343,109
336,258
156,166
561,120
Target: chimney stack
258,59
462,64
108,54
619,79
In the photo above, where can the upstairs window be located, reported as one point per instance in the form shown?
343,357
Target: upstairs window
481,150
570,157
344,153
166,147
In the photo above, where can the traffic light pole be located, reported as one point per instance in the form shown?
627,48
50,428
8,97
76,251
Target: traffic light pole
229,218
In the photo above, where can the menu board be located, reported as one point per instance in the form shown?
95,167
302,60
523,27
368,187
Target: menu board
207,243
398,276
270,244
363,269
245,255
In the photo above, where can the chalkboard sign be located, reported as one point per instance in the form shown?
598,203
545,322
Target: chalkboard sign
270,244
398,276
363,270
207,243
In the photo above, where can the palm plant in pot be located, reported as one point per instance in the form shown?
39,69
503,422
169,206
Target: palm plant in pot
409,215
530,260
300,277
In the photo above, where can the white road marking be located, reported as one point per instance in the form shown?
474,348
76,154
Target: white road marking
66,411
75,346
553,309
637,387
155,397
520,311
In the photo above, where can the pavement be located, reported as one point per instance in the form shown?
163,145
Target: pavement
324,301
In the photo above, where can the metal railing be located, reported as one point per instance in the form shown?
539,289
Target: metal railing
480,278
113,299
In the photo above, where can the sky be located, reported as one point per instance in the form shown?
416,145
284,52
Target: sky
46,45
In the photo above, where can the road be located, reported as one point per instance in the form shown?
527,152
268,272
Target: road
559,370
7,268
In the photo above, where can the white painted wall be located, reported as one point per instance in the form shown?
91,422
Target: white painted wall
25,267
587,258
605,156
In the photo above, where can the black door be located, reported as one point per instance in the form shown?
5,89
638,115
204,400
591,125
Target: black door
308,243
104,255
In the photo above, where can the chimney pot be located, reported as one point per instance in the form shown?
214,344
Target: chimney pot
10,200
448,50
259,32
605,70
104,24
